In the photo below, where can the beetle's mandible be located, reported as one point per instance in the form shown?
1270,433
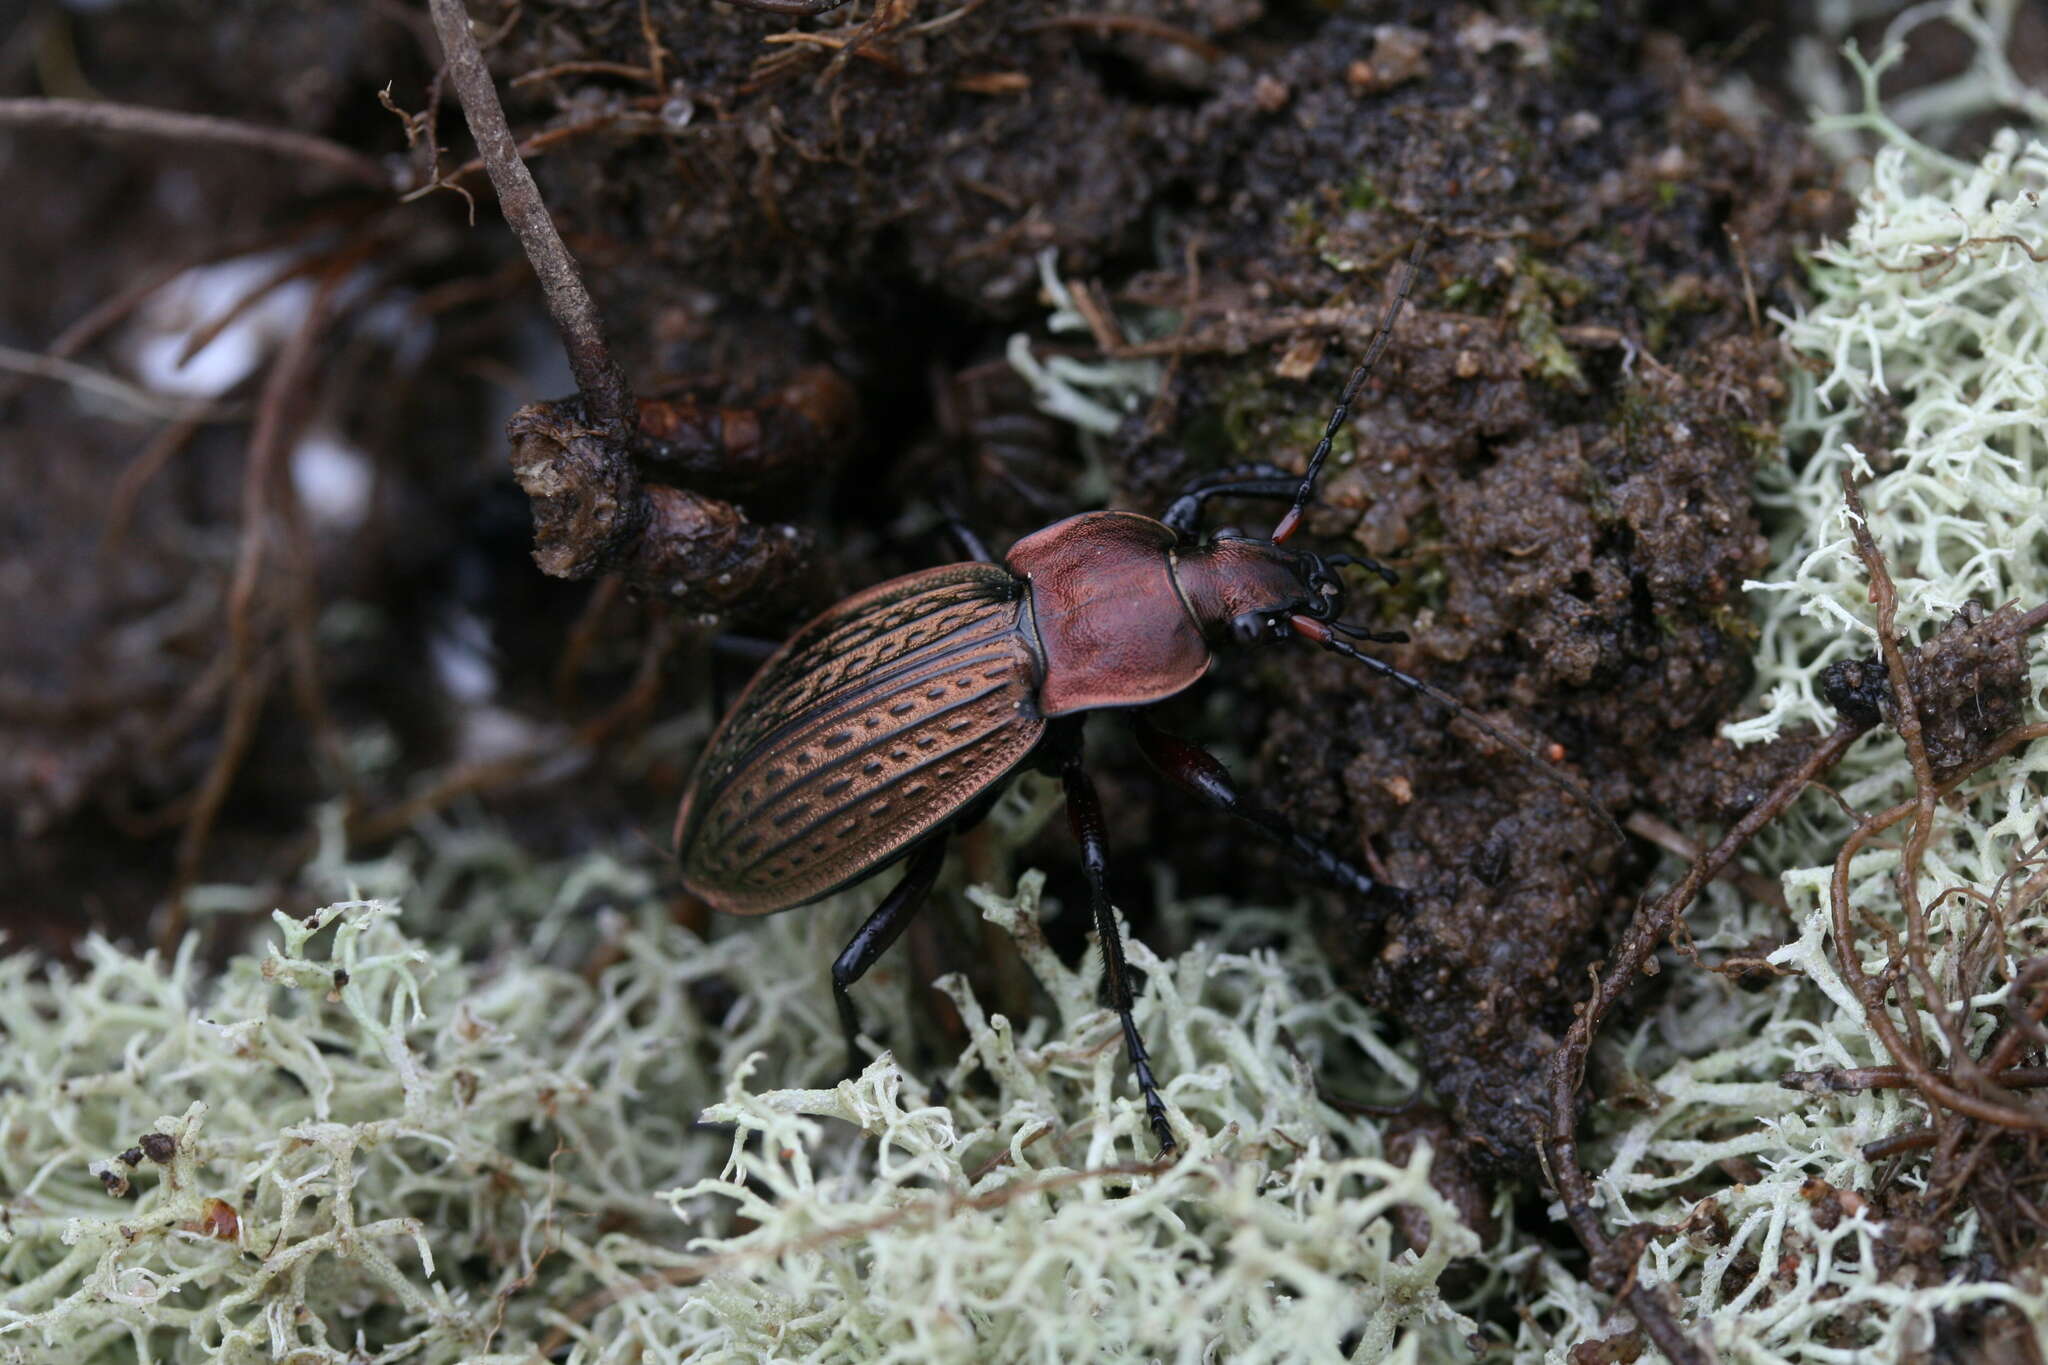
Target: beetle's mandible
894,720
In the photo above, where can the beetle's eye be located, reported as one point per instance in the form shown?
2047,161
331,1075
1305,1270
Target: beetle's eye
1229,533
1248,626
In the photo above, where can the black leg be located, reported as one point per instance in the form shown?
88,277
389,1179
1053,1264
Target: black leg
1084,815
1241,481
956,526
881,929
975,548
1197,772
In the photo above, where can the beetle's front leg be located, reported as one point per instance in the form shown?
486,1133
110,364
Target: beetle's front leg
1240,481
881,929
1084,816
1198,772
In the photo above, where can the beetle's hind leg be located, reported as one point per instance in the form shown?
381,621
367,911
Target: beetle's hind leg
878,931
1084,815
1197,771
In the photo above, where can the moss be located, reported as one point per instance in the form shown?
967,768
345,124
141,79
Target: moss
1364,196
1529,304
1303,224
1920,305
1467,294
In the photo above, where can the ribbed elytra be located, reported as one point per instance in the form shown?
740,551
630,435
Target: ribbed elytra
853,740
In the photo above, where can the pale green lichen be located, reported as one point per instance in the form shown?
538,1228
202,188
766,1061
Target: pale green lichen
1095,397
461,1152
1930,317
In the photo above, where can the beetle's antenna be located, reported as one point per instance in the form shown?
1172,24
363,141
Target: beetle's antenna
1377,637
1392,579
1307,490
1321,633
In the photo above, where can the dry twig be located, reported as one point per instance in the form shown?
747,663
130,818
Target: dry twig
127,120
606,395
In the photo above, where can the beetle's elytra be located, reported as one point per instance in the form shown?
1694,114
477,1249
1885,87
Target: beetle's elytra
893,720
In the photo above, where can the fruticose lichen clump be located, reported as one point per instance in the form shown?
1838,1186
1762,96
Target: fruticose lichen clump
544,1130
1924,370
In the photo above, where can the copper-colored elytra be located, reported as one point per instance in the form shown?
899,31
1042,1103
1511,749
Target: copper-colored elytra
875,724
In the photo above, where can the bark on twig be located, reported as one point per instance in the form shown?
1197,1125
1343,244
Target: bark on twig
607,398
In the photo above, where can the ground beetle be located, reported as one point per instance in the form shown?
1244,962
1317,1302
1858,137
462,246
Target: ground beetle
895,719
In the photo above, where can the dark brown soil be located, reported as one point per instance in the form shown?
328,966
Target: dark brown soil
1556,452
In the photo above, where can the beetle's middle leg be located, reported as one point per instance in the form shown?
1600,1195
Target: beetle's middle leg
1084,815
881,929
1197,771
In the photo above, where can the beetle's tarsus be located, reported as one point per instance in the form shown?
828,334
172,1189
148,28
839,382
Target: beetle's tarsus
1198,772
1141,1068
1084,816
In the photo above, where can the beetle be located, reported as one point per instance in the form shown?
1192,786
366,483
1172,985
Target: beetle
895,719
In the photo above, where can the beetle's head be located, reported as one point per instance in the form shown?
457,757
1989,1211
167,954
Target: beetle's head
1247,589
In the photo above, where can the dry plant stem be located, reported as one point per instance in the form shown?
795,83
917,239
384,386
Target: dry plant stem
2032,621
1906,719
302,650
1912,1140
583,637
559,69
1139,24
607,399
86,379
1848,1080
249,678
632,706
144,467
2017,1033
1752,884
207,333
127,120
1567,1065
789,9
533,146
81,333
104,316
1933,1085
